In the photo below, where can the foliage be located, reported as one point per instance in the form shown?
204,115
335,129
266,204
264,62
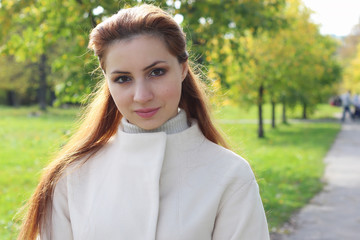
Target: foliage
347,51
17,77
352,74
63,33
259,51
292,65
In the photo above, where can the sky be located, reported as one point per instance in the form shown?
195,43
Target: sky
336,17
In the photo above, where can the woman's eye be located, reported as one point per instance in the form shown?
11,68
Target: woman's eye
122,79
157,72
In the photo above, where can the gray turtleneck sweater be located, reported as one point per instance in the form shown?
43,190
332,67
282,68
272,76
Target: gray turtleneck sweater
175,125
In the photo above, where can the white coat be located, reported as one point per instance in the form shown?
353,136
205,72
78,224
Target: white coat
160,186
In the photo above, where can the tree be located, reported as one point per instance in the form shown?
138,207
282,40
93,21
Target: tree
288,65
350,55
33,30
304,60
349,45
64,32
16,79
352,74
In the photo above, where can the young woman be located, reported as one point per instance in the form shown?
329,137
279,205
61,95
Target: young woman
147,162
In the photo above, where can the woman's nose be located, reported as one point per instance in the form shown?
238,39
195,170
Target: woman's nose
143,92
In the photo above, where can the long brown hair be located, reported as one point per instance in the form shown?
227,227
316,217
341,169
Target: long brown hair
102,118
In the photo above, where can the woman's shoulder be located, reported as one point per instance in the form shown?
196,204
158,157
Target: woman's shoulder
225,158
212,160
200,151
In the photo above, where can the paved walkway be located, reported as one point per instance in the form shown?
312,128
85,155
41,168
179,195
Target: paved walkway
334,214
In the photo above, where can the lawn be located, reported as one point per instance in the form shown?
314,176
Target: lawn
287,163
27,143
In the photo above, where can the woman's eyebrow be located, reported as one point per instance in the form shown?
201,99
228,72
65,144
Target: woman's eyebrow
153,64
146,68
117,72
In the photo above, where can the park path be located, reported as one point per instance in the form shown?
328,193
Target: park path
333,214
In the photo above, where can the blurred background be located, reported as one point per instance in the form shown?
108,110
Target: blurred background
273,68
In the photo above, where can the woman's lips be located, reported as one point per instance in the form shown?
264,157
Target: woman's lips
147,112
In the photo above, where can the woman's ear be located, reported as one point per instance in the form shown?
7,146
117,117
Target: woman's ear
185,70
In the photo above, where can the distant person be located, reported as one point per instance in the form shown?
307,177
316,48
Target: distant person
147,162
337,101
356,103
346,103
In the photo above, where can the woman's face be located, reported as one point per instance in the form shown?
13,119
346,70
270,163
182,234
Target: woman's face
144,80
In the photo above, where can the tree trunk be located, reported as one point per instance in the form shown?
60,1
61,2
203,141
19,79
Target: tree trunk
52,97
304,111
284,113
273,105
12,98
260,102
42,82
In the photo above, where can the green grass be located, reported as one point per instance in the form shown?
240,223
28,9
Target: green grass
228,112
27,143
287,163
